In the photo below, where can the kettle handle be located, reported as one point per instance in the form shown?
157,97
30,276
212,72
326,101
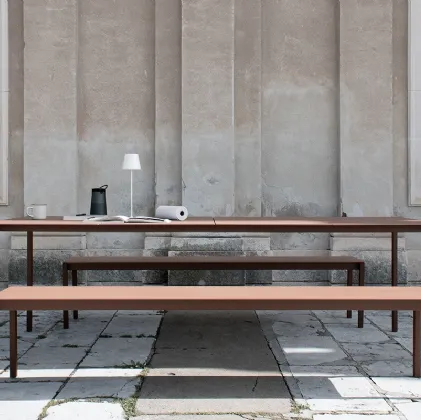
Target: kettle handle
104,187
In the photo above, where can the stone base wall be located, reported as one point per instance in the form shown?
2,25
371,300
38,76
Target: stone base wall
52,250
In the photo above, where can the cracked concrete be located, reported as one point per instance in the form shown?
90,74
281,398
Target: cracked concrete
221,365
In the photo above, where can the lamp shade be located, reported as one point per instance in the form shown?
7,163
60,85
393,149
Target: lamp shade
131,162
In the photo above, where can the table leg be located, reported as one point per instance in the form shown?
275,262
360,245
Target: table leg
361,282
13,320
74,284
349,283
65,283
29,273
394,267
416,354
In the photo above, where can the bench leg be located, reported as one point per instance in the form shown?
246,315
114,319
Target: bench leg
349,283
29,273
74,284
394,276
13,318
361,282
65,283
416,354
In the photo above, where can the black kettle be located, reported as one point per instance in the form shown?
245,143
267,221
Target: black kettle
99,201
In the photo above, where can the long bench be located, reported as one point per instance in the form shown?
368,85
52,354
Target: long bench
194,298
347,263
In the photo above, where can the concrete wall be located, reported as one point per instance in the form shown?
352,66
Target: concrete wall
16,124
274,107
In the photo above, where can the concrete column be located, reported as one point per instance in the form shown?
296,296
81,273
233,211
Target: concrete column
366,107
247,97
50,104
414,102
208,106
168,102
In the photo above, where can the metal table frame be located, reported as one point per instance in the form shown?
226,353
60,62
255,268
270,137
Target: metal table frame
392,225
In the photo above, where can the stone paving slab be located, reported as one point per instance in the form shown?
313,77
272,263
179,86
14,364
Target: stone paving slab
311,352
119,352
91,383
26,374
23,347
372,352
399,387
410,409
134,326
397,368
42,357
25,401
356,417
86,411
352,334
191,417
333,382
172,387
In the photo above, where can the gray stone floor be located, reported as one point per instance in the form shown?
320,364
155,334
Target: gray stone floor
203,366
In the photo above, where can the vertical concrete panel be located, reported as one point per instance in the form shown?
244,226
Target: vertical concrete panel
208,106
299,128
366,104
16,110
50,104
414,86
116,106
168,102
247,94
400,108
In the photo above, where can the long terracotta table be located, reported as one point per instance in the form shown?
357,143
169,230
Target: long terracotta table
392,225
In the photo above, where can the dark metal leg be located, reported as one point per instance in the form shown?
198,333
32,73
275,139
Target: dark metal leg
29,273
349,283
65,283
13,318
394,267
74,284
361,282
416,354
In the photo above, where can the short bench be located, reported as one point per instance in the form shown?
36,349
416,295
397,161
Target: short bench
194,298
215,263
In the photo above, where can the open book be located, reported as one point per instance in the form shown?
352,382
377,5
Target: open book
125,219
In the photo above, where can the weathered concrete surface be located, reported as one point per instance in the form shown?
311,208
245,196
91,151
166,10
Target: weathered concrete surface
51,104
116,110
247,107
212,363
207,107
168,146
366,107
299,117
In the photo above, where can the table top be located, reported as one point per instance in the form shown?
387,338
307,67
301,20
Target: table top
223,224
215,297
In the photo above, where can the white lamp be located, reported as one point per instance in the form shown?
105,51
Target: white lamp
131,163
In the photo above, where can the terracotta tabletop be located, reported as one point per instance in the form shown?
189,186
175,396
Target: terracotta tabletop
223,224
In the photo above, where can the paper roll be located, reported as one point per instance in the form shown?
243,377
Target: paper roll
172,212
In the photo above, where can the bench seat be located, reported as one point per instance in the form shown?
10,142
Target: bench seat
214,263
326,262
195,298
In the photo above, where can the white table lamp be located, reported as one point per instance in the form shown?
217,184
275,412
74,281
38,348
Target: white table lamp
131,163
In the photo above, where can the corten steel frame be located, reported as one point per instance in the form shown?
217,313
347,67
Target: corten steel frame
194,298
349,264
392,225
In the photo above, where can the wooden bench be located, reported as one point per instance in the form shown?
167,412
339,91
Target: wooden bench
215,263
196,298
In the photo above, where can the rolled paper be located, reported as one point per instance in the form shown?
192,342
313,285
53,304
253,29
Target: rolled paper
172,212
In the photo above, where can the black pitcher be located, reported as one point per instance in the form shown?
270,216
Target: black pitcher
99,201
